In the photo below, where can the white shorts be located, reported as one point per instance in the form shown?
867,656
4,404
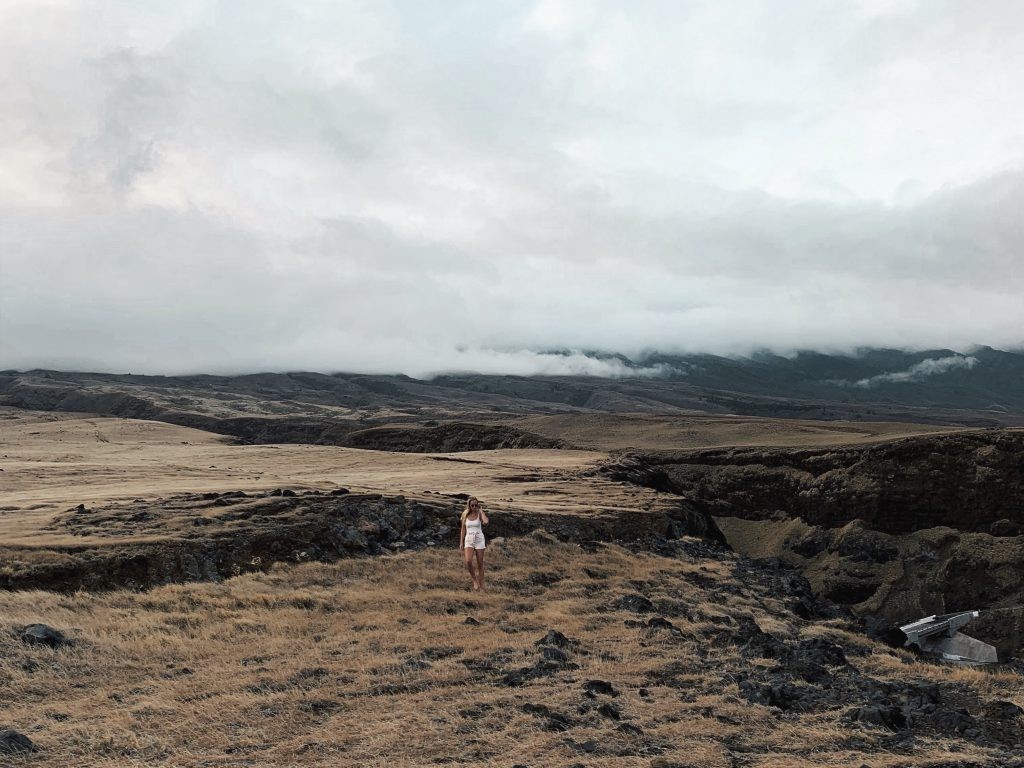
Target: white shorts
475,540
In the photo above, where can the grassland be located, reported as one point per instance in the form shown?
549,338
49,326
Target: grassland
371,662
710,660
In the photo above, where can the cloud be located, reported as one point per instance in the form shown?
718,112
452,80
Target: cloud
935,366
388,188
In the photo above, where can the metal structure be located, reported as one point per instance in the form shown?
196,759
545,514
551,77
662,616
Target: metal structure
940,635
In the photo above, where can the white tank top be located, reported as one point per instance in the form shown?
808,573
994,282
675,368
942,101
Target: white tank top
474,526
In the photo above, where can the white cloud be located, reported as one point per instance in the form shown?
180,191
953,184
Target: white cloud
391,187
934,366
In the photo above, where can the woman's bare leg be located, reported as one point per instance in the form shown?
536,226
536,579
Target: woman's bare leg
479,568
467,556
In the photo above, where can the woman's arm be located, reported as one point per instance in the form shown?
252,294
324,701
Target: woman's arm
462,536
483,516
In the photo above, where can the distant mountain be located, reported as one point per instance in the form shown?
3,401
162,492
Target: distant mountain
983,388
985,379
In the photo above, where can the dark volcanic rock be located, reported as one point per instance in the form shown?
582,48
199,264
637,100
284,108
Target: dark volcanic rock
553,721
448,438
242,535
12,743
661,623
43,634
756,643
887,715
555,638
1005,527
554,654
781,693
635,604
820,651
1003,710
965,480
600,686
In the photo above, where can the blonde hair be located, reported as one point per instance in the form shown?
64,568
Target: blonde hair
467,510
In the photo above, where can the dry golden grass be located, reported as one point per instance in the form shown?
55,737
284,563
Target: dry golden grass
51,462
611,431
370,662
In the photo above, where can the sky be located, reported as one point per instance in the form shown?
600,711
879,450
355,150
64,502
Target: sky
420,187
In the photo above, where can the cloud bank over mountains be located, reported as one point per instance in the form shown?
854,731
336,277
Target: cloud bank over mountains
933,366
400,187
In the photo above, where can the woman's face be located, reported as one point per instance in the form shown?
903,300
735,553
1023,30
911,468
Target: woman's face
474,506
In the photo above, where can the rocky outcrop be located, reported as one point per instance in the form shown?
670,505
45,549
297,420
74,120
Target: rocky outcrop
210,536
15,743
896,531
966,480
449,438
898,578
43,634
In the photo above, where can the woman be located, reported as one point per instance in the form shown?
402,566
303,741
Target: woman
471,540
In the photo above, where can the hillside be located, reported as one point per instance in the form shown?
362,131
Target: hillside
933,387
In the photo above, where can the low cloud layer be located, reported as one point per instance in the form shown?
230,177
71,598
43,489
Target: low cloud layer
935,366
400,187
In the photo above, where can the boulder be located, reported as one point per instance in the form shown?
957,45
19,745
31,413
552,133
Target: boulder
635,603
555,638
13,743
43,634
1004,527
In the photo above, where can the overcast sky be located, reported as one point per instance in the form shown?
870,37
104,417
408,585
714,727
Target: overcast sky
422,186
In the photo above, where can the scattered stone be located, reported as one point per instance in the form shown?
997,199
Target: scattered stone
13,743
660,622
635,603
340,491
820,651
556,638
588,748
319,706
1003,710
542,668
811,544
600,687
439,652
471,621
887,715
43,634
754,642
610,711
544,578
554,721
1004,527
864,546
288,492
554,654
